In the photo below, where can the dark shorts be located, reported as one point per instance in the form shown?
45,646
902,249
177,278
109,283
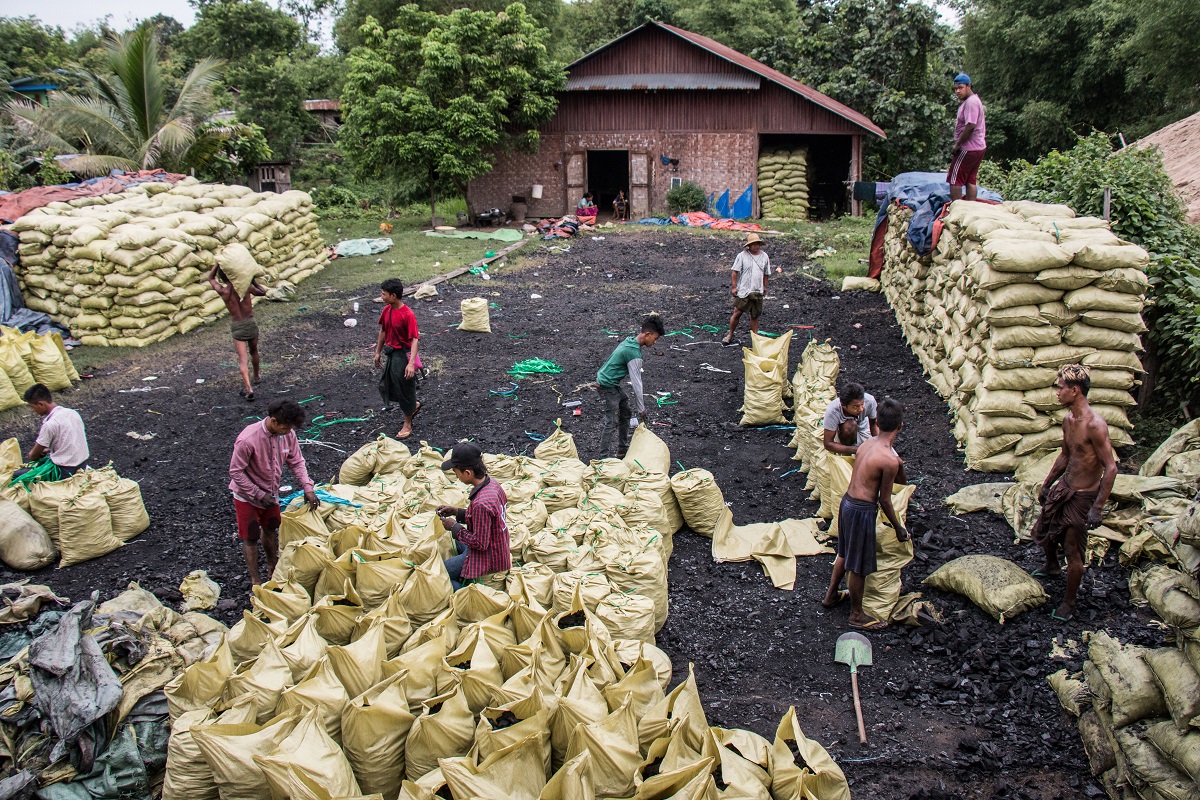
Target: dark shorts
251,519
856,535
964,169
750,304
244,330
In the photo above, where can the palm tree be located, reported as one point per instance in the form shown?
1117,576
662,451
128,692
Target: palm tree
122,120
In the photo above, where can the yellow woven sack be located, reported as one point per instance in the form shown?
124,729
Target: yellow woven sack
9,398
513,772
700,499
46,364
559,444
996,585
319,691
808,773
444,729
308,750
11,361
375,727
230,751
85,529
475,316
239,267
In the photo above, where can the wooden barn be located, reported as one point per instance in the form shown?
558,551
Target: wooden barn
660,105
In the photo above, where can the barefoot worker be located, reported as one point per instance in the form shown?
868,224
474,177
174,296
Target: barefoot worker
1075,491
241,319
850,420
62,436
876,468
255,470
396,353
479,530
625,362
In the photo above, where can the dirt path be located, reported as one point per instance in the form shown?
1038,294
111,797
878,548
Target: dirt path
962,711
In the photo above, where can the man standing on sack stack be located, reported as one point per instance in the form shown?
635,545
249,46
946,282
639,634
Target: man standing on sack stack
970,141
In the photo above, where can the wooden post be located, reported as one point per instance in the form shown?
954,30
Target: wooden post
855,173
1108,204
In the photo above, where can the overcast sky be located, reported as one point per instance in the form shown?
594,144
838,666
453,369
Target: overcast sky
67,14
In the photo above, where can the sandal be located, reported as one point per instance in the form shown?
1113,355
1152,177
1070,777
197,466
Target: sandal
1041,573
841,596
1067,618
873,625
249,396
728,340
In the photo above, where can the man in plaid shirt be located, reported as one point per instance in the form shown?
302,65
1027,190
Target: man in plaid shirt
480,531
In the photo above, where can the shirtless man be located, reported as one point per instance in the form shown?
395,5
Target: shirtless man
241,324
1074,505
876,468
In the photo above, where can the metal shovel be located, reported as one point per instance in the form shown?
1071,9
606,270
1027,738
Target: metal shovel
854,650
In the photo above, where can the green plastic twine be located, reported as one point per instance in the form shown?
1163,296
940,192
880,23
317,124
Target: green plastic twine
534,366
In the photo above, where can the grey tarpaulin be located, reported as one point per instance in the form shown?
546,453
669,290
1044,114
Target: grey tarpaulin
18,786
74,687
138,751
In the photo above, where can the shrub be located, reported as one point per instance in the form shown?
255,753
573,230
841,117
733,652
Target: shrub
685,197
1145,210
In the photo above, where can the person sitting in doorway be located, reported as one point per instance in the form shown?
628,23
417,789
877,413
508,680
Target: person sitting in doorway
620,207
586,210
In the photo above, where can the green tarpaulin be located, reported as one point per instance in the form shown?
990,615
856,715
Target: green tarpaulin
500,234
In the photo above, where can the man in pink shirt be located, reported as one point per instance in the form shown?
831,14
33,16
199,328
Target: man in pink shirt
970,141
255,470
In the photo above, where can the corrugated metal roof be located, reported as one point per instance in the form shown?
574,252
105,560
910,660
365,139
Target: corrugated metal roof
1179,144
758,68
322,105
662,81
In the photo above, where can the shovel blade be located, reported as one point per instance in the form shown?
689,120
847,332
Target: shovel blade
853,649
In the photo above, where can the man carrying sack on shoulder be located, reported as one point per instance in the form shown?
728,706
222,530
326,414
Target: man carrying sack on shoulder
480,530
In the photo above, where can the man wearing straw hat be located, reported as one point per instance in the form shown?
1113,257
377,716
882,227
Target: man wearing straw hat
748,284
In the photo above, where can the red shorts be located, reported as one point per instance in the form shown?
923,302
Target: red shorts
252,519
964,169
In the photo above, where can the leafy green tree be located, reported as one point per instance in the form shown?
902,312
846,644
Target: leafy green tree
29,49
1053,68
50,173
592,23
1165,50
437,97
348,29
747,26
228,151
272,95
123,120
240,31
890,59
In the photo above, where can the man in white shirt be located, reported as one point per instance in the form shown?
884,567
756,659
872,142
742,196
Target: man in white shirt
850,420
748,284
62,435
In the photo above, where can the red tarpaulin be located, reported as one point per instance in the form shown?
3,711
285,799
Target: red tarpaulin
18,204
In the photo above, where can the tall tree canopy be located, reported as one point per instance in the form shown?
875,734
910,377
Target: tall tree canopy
29,49
124,118
890,59
1051,69
436,97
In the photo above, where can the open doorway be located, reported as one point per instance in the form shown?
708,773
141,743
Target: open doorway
607,174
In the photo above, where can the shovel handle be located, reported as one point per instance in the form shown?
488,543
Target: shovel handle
862,729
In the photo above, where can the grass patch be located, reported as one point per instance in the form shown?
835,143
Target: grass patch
836,248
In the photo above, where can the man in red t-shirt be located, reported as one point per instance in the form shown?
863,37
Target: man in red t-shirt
396,352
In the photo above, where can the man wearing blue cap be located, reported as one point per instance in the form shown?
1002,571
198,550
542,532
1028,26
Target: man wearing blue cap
969,141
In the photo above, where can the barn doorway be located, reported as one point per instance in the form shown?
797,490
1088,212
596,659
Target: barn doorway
607,174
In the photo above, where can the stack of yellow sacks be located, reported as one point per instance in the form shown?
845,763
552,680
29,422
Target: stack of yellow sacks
128,269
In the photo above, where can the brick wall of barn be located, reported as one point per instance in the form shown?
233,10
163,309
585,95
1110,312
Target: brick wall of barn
715,161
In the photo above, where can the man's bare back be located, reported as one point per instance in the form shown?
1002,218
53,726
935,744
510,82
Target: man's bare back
876,468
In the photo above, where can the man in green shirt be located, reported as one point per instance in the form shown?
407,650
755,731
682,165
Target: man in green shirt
625,361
